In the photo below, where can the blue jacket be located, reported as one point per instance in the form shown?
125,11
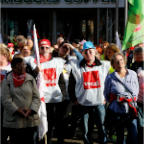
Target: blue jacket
113,86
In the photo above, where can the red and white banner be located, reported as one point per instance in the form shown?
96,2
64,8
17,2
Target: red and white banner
43,127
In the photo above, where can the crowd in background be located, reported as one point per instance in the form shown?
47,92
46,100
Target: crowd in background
95,83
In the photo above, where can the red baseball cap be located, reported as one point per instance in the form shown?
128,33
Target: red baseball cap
44,42
10,45
131,48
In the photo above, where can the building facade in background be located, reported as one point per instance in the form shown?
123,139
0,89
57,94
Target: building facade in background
92,20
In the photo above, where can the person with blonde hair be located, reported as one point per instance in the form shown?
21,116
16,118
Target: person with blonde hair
80,48
121,90
18,56
51,50
5,56
5,67
108,54
104,46
110,51
60,40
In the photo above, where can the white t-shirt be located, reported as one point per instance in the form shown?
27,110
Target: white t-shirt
90,83
51,71
30,60
4,71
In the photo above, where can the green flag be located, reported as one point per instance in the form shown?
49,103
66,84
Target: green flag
134,32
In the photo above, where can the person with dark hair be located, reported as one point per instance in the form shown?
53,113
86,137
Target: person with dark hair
55,51
139,59
20,41
130,57
138,67
75,43
64,52
21,101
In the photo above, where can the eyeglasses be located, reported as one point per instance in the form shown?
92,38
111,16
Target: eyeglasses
45,47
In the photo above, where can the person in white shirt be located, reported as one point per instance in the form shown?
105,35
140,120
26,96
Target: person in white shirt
5,67
52,71
86,86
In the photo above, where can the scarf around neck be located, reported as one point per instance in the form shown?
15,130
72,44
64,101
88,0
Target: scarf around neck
18,79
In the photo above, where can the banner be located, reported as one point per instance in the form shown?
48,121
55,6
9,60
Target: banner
43,127
36,46
118,42
134,32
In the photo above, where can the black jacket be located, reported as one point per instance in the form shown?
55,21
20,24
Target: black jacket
136,65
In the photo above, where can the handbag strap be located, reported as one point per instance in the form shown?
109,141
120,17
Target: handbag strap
126,90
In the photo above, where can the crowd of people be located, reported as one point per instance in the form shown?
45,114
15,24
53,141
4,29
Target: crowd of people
95,83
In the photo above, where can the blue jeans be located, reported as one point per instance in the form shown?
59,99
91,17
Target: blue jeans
122,121
90,115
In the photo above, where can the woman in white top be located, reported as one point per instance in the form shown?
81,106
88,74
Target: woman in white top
5,67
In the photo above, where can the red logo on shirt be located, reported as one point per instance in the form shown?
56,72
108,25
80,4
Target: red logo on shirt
49,76
91,80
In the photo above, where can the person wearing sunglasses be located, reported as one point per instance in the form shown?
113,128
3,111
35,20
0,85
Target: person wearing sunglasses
52,71
86,85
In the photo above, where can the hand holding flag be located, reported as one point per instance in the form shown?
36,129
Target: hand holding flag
43,127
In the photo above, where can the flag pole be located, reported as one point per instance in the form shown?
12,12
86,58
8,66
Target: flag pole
116,17
126,18
118,43
126,12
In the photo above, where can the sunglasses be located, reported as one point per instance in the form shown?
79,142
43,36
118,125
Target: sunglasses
45,47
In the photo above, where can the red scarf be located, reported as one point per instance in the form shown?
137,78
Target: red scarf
18,80
43,59
129,101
